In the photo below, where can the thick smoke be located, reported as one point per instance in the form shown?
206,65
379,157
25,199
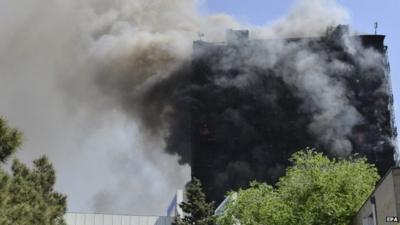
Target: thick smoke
323,96
249,109
71,74
253,103
305,19
105,88
145,65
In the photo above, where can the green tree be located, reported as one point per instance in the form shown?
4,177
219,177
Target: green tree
315,190
10,140
26,195
196,209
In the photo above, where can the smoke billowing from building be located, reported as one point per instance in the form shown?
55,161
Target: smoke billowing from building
255,102
236,112
153,67
114,82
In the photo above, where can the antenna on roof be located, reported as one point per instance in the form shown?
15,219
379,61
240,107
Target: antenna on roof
200,35
376,27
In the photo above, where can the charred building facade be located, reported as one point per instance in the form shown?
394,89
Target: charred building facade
255,102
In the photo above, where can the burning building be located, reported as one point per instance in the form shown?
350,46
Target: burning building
247,105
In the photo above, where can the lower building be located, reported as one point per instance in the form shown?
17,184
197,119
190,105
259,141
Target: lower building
383,205
110,219
114,219
174,208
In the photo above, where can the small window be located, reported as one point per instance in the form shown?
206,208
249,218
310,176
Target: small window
368,220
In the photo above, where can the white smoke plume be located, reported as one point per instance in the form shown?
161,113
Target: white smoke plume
305,19
54,54
72,74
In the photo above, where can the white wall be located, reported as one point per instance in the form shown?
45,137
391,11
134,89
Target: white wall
387,200
108,219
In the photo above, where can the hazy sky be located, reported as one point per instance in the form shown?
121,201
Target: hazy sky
363,15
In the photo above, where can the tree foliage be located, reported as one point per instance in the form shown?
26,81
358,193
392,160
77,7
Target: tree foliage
26,195
196,209
315,190
10,140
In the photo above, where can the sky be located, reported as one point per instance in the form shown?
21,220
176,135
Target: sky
363,13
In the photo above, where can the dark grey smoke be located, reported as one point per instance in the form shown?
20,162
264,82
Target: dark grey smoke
237,112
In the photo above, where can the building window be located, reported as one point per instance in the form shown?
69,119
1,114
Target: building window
368,220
